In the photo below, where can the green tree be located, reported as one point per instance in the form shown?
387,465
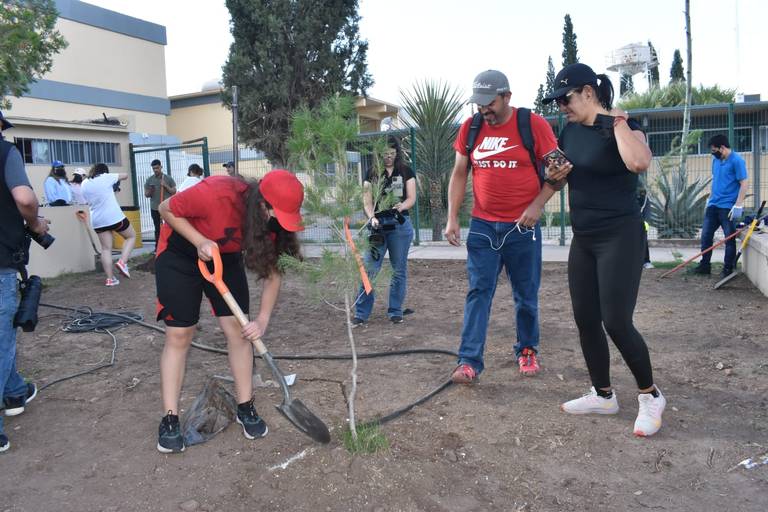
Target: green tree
676,73
319,140
434,108
538,104
673,95
653,71
549,109
570,51
626,84
28,42
289,53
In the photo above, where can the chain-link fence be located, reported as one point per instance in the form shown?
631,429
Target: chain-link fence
676,193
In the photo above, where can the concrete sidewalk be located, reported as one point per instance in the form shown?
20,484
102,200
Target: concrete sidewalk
444,251
550,252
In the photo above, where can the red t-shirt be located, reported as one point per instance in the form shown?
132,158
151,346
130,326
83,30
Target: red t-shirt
504,181
216,208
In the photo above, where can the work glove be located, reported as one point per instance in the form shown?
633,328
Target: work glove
735,213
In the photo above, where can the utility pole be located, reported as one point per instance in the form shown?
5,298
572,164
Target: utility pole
235,145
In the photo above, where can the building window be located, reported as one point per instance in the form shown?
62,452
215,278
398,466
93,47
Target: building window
71,152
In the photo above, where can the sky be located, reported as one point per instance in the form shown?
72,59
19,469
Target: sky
452,41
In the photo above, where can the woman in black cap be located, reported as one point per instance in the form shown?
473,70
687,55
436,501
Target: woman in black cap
605,262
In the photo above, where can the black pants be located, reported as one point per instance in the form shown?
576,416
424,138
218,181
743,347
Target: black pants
604,277
156,220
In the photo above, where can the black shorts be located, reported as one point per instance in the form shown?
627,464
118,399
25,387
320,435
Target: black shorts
180,288
119,226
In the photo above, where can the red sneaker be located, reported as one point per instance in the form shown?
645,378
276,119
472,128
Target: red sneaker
464,374
528,363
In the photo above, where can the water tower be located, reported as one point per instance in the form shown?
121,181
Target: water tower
632,59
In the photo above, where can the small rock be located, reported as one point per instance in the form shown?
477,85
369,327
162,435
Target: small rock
451,455
588,455
560,376
675,408
638,493
719,366
728,372
189,506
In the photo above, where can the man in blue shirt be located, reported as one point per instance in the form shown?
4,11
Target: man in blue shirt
726,202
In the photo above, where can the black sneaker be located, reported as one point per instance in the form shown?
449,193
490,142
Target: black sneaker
357,321
396,319
169,439
701,269
253,425
14,405
4,443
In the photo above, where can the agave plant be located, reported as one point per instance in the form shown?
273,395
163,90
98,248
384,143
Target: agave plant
673,95
677,205
434,108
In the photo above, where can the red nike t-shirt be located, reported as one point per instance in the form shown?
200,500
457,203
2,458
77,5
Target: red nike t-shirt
504,181
215,207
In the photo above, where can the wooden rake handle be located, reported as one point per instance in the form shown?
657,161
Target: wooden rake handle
218,281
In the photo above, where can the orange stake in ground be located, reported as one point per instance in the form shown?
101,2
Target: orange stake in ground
363,274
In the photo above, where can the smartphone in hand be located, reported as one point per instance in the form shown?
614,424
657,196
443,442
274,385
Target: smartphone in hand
555,158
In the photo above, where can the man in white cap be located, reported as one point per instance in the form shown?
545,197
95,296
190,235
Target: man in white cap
504,231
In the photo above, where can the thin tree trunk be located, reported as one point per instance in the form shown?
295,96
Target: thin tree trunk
689,76
353,372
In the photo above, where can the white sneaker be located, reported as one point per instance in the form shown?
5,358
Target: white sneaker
648,420
648,264
592,403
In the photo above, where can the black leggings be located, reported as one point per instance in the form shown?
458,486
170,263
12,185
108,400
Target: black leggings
604,272
156,220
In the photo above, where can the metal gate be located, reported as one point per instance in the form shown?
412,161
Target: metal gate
176,160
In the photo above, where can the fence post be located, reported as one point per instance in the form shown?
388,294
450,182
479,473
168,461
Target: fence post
756,154
560,124
416,203
731,136
206,164
168,162
134,178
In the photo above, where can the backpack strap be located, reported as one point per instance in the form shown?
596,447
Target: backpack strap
474,129
526,133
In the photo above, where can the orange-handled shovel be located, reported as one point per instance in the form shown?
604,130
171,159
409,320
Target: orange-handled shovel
363,274
296,412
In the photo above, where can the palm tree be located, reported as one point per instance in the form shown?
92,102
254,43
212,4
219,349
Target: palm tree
434,108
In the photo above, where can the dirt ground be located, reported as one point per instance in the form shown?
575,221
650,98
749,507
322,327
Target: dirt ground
88,444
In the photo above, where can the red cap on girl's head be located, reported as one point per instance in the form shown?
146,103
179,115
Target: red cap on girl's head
285,193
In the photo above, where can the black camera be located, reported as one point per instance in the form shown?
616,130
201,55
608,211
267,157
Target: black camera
44,241
26,315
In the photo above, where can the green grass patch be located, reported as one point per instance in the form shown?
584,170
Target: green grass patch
370,439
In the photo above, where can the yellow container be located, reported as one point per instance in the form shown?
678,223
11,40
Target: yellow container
133,214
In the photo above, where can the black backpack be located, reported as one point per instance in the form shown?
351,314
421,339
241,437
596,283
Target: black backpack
523,126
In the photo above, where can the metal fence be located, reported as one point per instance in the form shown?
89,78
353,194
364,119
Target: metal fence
745,125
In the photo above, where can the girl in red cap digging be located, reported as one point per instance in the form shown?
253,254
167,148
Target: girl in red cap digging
252,223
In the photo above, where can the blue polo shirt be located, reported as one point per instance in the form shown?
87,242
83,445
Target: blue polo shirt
726,175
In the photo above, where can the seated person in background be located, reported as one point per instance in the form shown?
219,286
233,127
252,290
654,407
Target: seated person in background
78,175
57,191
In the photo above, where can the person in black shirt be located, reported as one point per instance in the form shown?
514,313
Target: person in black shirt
391,230
605,262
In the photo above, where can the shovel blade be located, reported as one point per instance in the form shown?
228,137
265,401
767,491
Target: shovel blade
305,420
726,279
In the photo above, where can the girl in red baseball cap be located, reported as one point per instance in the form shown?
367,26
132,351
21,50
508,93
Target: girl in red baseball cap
252,224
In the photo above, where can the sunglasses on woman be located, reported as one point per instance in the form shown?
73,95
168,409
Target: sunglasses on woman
564,100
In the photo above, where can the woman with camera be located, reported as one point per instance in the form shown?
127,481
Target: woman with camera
608,152
56,186
391,230
107,217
